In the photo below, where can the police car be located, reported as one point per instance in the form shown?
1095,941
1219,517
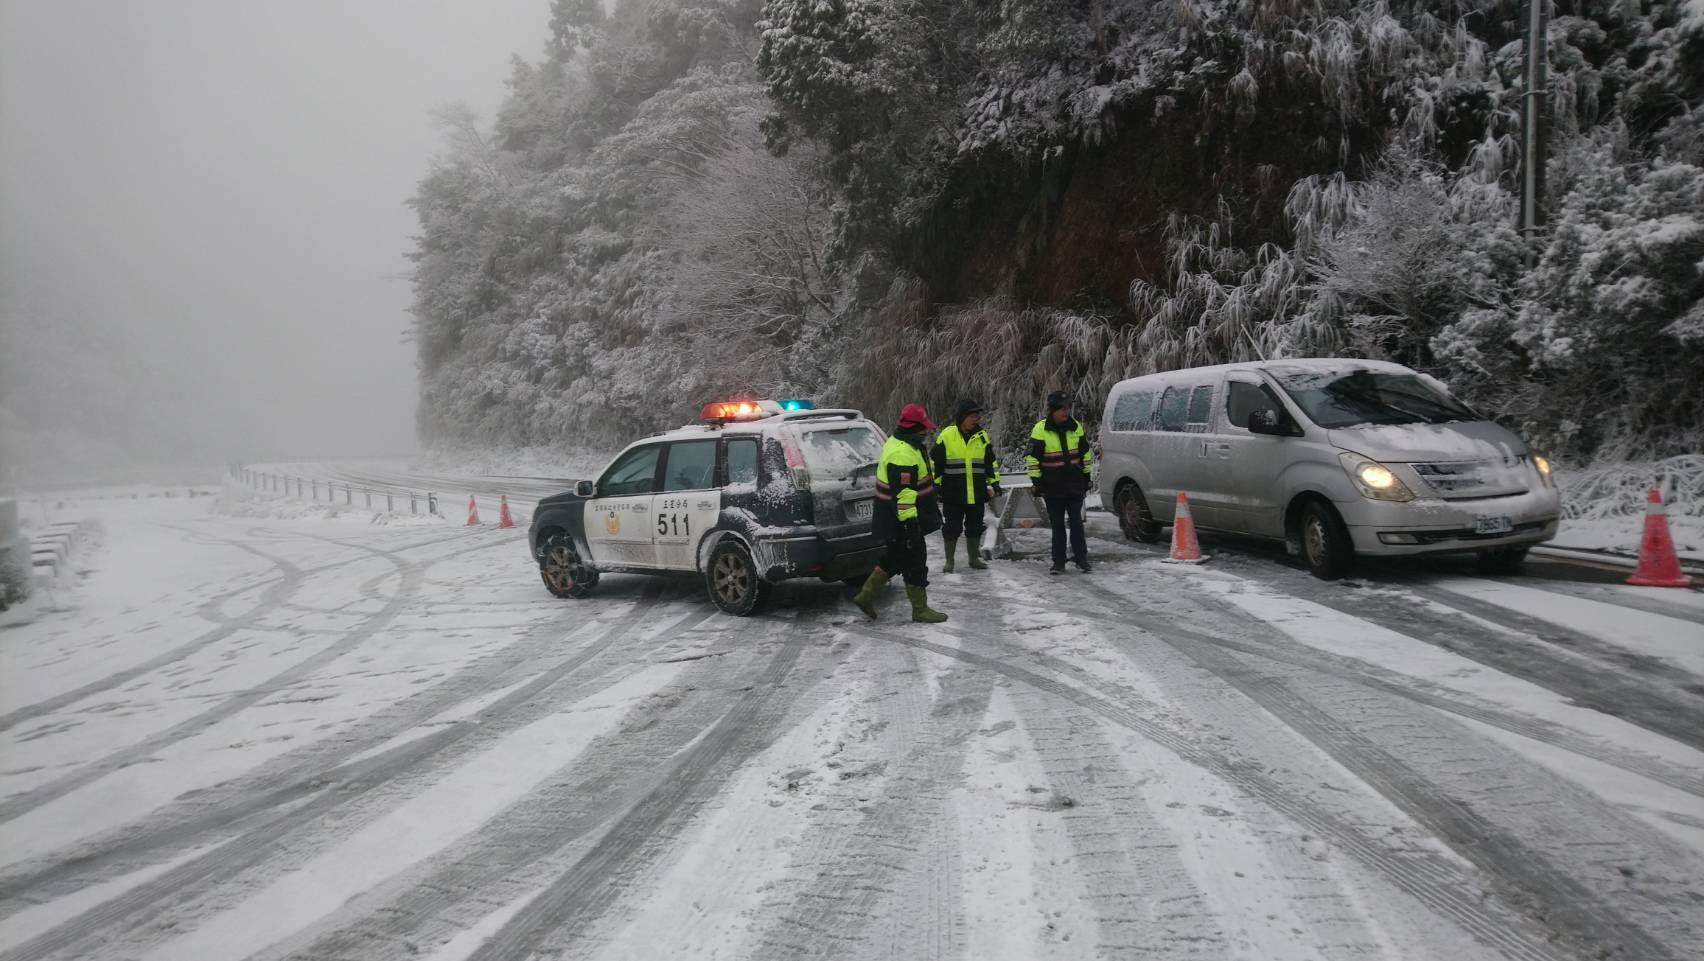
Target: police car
756,492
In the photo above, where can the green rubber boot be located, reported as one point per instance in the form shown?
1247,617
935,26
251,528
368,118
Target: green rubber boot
952,548
866,596
920,611
976,561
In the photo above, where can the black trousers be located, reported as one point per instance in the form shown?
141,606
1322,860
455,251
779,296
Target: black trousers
966,519
1059,510
907,556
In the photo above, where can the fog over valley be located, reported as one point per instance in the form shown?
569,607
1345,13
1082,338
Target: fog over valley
204,237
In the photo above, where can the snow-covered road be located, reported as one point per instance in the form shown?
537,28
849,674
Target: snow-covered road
308,738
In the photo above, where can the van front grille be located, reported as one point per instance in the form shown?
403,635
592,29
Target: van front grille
1473,478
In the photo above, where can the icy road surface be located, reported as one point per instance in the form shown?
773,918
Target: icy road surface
324,739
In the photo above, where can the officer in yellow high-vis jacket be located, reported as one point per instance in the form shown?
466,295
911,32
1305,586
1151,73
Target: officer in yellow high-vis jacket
906,512
1059,463
968,475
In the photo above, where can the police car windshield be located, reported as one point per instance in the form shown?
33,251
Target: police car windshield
1355,398
838,452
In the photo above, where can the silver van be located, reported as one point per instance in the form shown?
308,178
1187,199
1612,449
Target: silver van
1333,457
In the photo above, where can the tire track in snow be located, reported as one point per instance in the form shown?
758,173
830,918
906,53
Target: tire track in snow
1563,668
412,574
1146,903
1573,665
289,580
581,895
1433,880
284,833
275,594
1648,667
518,852
1605,594
211,814
1529,879
889,872
1275,646
1127,859
1546,732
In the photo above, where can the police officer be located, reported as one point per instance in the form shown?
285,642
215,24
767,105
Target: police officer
906,513
1059,461
969,478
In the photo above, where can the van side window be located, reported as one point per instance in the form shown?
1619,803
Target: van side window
1174,405
1134,411
1200,410
1244,399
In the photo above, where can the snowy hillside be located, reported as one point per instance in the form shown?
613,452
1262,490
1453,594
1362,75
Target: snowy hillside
920,201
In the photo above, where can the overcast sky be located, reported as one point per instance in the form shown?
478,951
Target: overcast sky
218,185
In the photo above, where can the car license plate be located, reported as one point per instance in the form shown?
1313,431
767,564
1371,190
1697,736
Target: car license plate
863,510
1493,525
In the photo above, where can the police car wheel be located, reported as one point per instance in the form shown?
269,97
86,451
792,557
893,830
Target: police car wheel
1325,541
1133,516
732,579
560,568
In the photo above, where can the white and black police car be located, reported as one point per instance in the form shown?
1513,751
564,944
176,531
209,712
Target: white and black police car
756,492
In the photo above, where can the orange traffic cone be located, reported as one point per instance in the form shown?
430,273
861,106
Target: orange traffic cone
1658,565
504,520
472,512
1185,548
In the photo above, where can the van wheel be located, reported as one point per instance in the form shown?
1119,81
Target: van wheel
1502,560
733,582
1325,541
1134,518
560,568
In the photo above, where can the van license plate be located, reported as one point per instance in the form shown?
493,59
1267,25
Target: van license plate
863,510
1493,525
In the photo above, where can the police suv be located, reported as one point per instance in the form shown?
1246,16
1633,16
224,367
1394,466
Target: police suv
757,492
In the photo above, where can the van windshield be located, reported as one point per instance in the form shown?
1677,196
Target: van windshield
836,453
1355,398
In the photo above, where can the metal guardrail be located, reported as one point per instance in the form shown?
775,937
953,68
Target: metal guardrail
310,487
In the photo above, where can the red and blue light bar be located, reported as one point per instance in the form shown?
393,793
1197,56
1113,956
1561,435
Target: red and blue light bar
723,411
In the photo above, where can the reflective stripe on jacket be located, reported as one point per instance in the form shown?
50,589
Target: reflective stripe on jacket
1059,457
966,466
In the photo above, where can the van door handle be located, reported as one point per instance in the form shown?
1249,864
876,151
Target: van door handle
1224,452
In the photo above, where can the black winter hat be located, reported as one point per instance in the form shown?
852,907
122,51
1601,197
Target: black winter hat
965,409
1058,399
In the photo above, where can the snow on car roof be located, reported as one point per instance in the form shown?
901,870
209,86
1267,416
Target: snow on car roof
1295,363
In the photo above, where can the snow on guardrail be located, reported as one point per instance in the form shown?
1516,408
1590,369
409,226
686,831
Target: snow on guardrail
347,493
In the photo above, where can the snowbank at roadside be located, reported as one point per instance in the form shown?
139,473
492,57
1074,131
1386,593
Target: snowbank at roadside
1622,534
1603,507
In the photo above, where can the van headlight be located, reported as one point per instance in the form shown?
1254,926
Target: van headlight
1373,479
1541,464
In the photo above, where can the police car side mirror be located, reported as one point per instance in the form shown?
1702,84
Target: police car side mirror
1265,421
585,489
